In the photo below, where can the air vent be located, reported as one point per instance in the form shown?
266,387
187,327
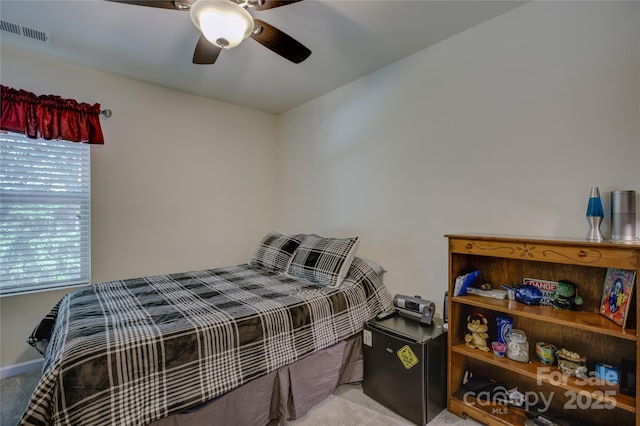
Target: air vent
25,32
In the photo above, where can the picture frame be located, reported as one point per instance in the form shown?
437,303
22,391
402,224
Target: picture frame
616,295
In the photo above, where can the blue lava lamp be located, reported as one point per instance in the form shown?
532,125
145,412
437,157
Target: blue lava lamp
595,214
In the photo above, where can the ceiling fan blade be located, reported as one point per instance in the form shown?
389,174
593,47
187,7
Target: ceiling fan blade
205,53
164,4
270,4
279,42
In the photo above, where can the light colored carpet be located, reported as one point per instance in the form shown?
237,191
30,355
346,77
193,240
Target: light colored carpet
14,395
347,406
337,411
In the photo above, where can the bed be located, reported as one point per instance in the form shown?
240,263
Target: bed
247,344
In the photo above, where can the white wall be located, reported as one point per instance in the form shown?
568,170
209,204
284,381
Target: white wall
501,129
182,182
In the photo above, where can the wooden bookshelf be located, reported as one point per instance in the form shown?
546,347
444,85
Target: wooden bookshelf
507,260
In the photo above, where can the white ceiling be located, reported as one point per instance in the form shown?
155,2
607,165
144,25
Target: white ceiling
348,38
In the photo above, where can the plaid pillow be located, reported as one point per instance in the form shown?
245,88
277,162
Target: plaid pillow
325,261
274,251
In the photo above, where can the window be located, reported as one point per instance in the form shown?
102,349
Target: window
45,205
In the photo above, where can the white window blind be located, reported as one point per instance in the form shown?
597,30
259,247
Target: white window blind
45,205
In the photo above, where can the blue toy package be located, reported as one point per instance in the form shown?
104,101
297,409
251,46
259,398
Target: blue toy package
505,324
609,373
528,294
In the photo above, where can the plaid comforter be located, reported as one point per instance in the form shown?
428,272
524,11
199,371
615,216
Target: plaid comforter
134,351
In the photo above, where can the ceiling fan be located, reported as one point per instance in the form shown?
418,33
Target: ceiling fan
226,23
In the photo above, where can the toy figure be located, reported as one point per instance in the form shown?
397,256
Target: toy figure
566,296
572,364
477,325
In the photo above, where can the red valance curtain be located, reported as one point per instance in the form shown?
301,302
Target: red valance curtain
49,117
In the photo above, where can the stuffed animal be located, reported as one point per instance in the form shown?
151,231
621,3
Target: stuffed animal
477,325
566,296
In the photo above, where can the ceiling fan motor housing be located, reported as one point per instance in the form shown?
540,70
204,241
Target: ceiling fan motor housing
224,23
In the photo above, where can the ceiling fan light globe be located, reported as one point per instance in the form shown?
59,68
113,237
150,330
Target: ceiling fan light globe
222,22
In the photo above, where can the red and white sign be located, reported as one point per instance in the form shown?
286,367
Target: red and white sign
546,287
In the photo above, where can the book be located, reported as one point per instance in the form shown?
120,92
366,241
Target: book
494,293
616,295
463,282
547,288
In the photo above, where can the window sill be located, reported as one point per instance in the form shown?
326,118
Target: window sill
42,290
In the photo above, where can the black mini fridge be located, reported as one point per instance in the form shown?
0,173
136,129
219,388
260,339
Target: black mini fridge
405,366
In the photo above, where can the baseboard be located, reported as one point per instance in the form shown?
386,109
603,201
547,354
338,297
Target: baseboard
23,367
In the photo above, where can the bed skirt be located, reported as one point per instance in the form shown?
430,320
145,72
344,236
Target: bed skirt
285,394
